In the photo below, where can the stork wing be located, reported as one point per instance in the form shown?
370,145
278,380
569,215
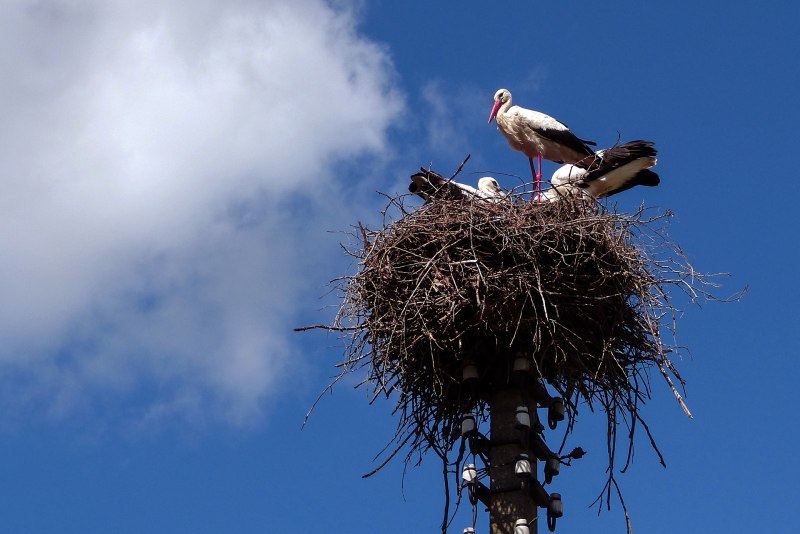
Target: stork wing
605,161
566,138
644,177
428,185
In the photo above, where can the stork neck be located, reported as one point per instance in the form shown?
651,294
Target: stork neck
501,111
504,107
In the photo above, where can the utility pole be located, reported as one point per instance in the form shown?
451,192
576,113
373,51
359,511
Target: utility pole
515,492
510,501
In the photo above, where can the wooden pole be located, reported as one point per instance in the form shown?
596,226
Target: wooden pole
509,502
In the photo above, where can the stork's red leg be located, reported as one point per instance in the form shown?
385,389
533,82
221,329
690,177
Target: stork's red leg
539,177
533,176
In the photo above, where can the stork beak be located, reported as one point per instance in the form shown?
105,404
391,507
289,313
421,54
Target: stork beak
494,110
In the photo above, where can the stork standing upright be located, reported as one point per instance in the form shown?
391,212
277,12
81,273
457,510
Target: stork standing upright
607,173
537,135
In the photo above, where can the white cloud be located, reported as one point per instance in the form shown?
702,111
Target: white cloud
144,147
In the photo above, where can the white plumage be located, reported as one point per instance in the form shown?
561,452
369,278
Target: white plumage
537,135
491,190
606,173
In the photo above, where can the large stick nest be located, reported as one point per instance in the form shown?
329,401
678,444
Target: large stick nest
581,290
472,280
460,281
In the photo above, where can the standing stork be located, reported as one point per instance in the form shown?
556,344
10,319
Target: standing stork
607,173
537,135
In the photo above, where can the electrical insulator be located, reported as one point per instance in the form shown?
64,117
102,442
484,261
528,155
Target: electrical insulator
477,490
551,468
554,510
522,364
469,530
469,372
469,474
555,412
522,467
467,424
523,418
521,527
556,507
522,371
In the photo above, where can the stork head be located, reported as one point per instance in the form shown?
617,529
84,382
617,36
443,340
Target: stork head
500,97
489,185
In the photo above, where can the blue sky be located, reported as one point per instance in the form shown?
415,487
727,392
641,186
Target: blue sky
176,177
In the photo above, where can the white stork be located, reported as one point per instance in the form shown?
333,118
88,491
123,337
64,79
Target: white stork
607,173
491,190
537,135
429,185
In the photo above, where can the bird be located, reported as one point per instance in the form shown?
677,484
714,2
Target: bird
606,173
491,190
429,185
537,135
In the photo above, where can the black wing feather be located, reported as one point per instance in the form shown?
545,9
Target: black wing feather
615,157
428,184
568,139
644,177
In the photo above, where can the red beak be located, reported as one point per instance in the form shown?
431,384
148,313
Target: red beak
494,110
